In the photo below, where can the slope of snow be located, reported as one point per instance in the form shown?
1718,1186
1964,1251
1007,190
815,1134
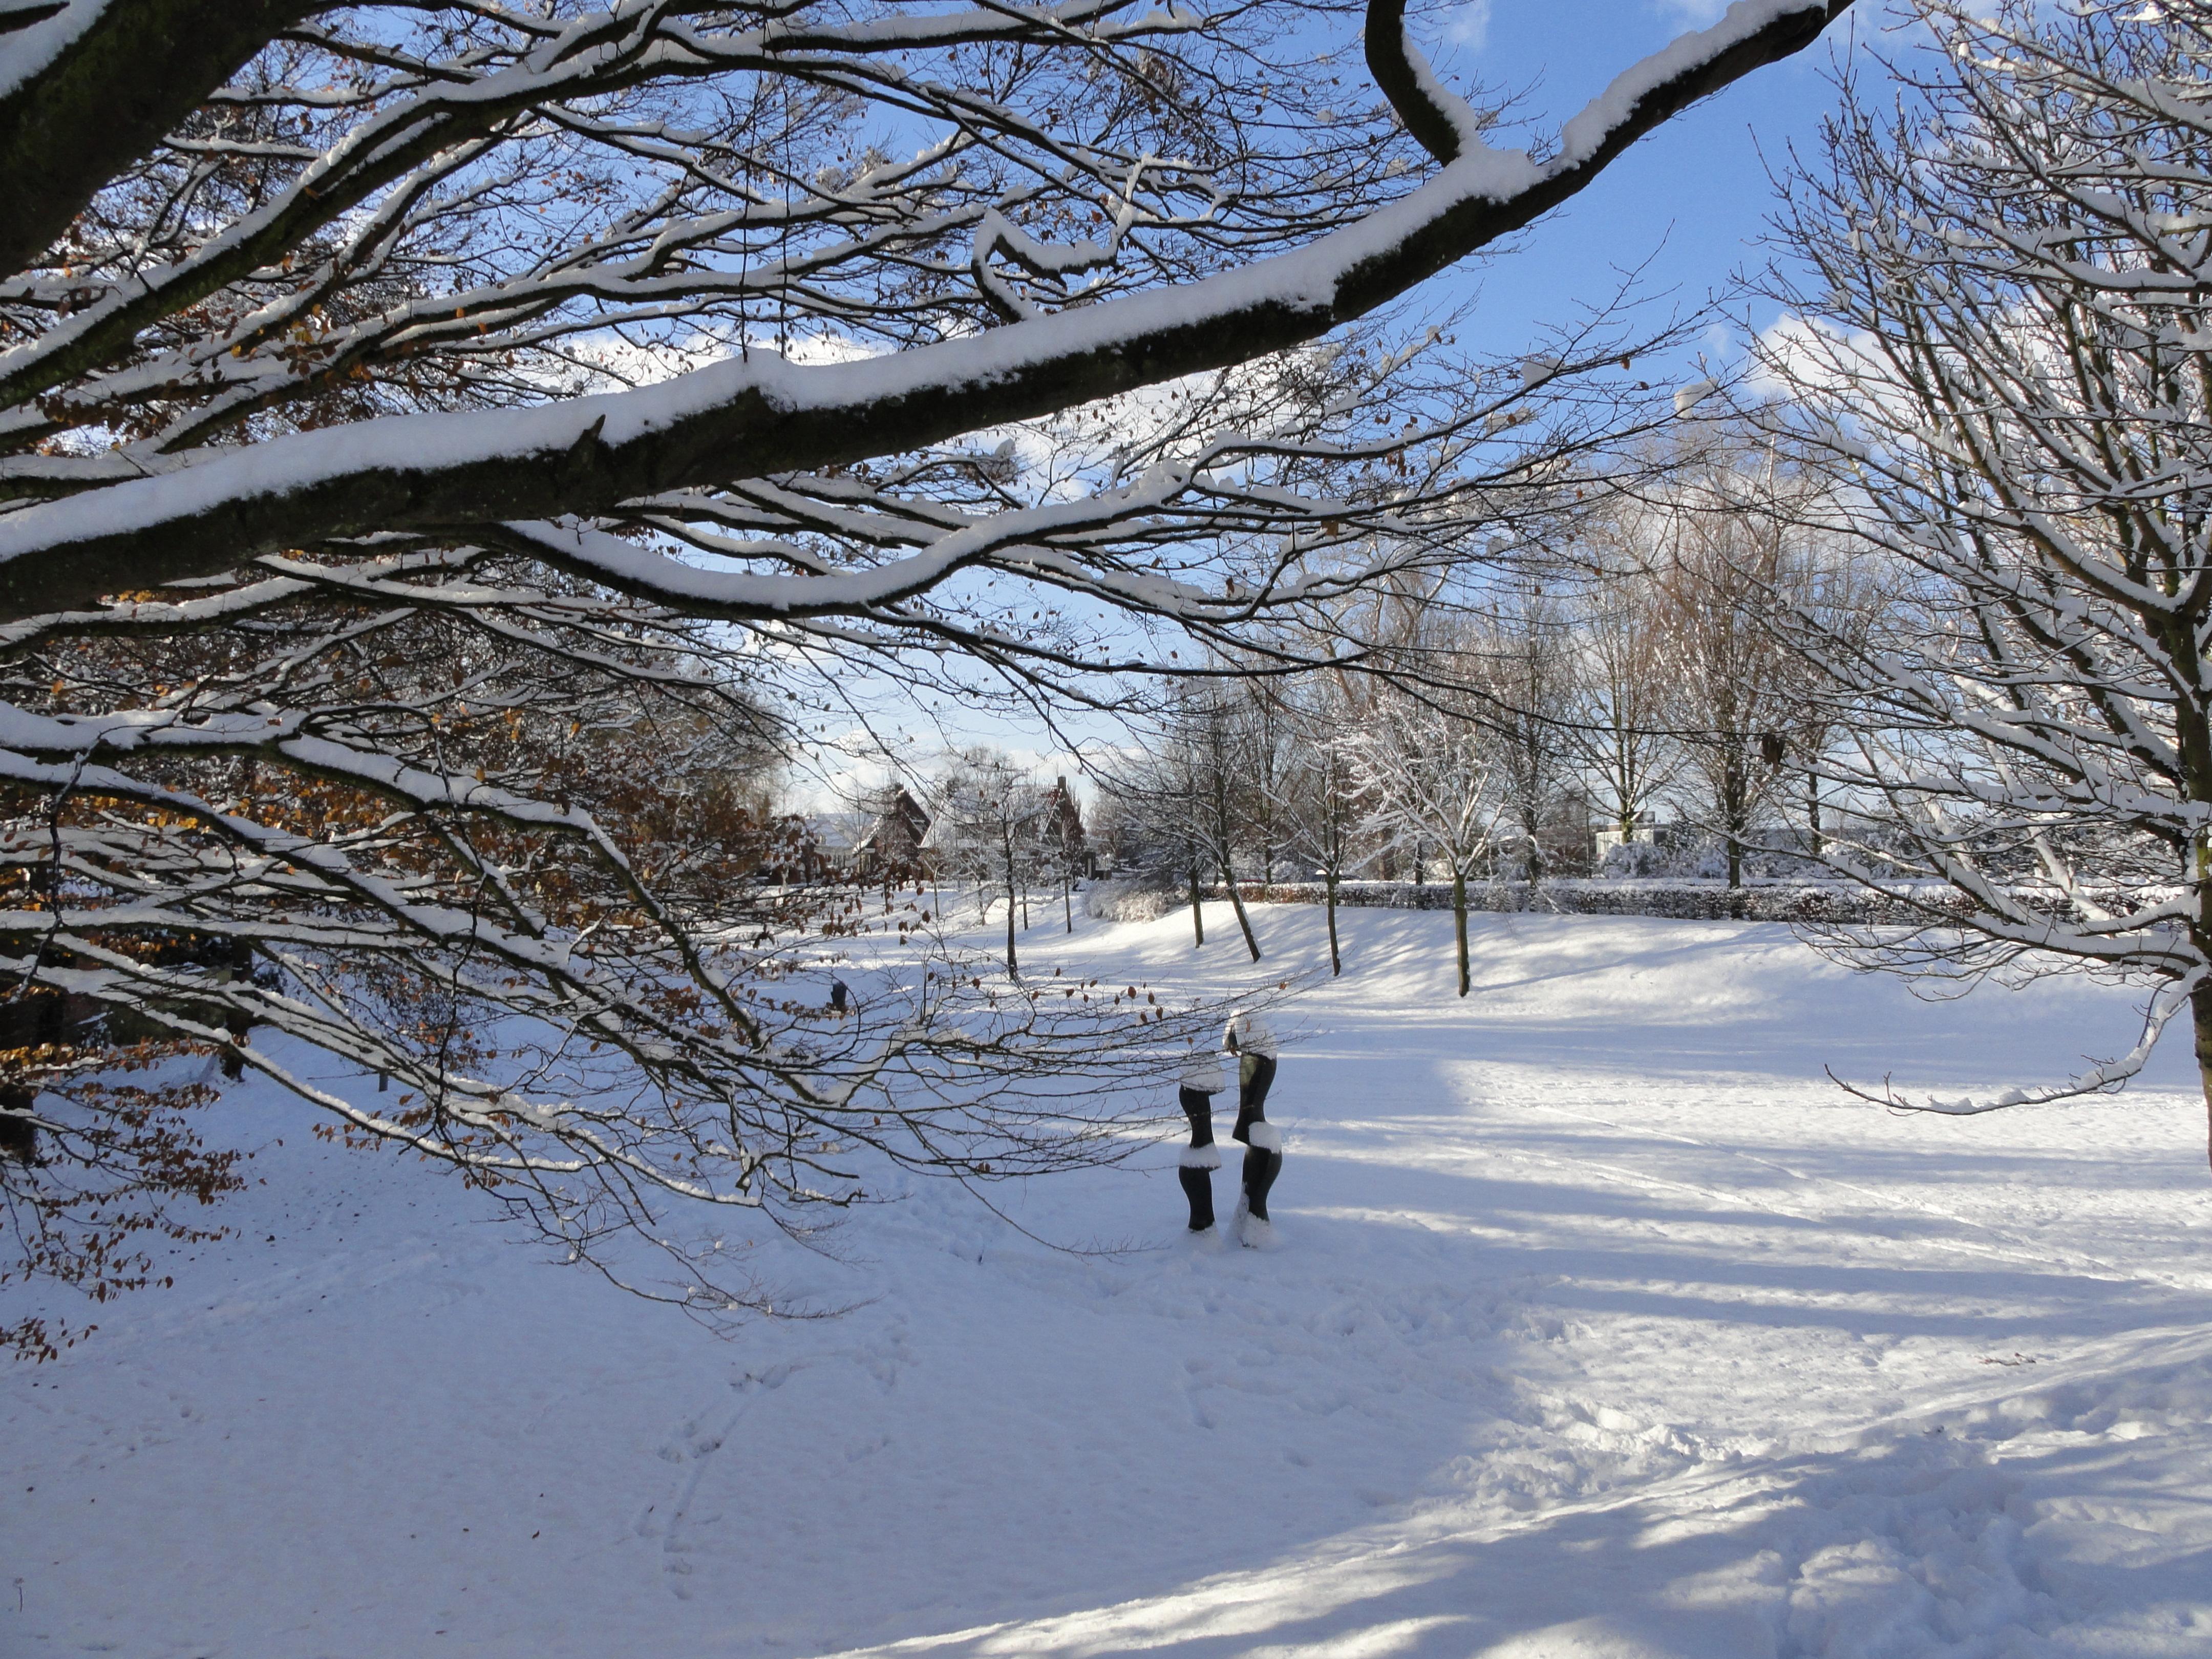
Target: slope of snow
1599,1324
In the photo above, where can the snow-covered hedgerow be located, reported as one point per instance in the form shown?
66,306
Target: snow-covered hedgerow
1685,898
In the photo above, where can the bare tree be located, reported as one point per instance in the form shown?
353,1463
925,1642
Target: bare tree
1066,845
1190,780
394,394
995,817
1723,570
2001,365
1517,649
1615,714
1214,724
1319,803
1155,790
1432,773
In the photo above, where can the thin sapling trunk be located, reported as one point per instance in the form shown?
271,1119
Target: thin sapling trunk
1013,970
1459,924
1236,903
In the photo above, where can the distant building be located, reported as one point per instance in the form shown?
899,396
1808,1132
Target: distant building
881,841
891,845
1063,831
833,843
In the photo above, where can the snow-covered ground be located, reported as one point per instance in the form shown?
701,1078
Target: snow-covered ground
1601,1324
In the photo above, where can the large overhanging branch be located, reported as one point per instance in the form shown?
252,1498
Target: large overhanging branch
761,414
417,130
93,84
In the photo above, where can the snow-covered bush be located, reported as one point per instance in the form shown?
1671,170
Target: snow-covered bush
1132,898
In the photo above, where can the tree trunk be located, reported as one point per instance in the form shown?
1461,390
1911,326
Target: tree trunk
1197,914
1335,957
1013,969
1732,826
1459,924
1813,809
2200,1007
1237,903
1067,896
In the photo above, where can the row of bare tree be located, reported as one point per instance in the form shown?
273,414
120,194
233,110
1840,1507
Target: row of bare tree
1633,670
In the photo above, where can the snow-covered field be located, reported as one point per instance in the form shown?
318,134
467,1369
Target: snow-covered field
1602,1324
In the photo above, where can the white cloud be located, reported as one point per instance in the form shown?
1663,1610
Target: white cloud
1796,353
1697,13
1468,25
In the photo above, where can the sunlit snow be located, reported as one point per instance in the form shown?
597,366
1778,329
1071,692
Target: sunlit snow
1599,1323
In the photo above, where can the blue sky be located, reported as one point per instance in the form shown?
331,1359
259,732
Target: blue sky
1692,198
1694,194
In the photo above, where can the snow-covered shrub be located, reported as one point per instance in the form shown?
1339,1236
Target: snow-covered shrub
1630,861
1131,898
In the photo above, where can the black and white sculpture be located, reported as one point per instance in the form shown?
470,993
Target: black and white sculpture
1250,1040
1203,1077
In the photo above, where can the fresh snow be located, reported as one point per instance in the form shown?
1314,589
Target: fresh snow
1598,119
28,51
1598,1323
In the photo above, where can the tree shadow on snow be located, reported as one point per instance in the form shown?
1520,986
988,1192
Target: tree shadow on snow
1918,1543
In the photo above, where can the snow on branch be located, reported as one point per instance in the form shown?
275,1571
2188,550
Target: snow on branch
762,414
2106,1077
